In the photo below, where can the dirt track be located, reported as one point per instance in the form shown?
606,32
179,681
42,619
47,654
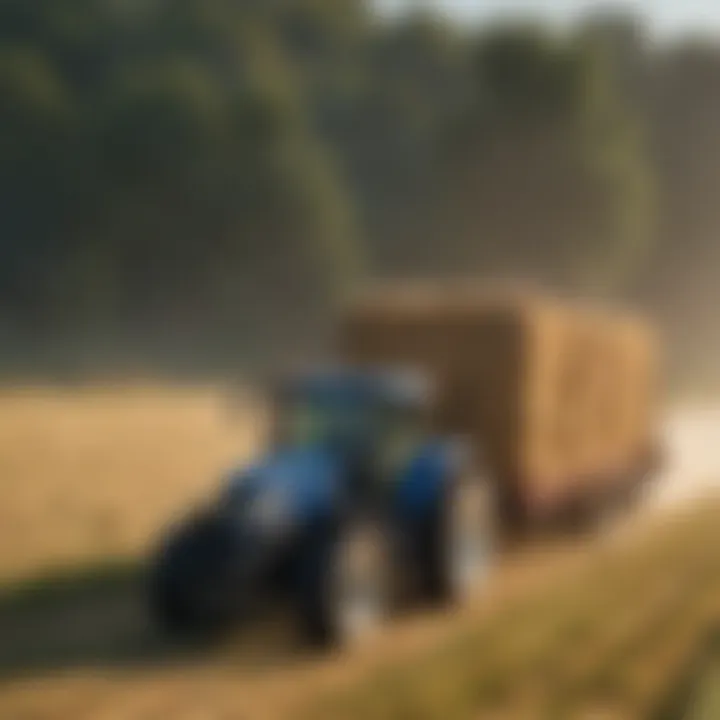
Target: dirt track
92,657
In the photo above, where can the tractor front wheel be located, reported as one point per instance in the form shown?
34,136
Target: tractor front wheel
189,598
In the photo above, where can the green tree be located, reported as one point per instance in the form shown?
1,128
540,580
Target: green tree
547,174
36,126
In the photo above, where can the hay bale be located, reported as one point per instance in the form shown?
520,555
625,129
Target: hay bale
611,397
490,354
605,361
547,435
583,362
642,385
620,414
553,393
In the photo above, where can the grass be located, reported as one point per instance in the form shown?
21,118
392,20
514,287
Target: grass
91,473
587,646
706,703
57,586
89,476
80,616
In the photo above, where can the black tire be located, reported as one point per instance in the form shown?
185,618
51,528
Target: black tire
331,612
188,596
466,514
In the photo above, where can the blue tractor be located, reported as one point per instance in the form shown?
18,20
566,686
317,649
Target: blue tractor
356,508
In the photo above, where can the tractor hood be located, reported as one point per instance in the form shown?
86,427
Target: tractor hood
285,489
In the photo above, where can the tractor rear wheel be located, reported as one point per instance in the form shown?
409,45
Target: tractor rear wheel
348,592
461,540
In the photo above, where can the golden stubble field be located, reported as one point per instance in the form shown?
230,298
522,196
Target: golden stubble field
89,473
576,630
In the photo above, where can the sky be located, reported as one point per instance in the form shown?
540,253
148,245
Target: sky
666,17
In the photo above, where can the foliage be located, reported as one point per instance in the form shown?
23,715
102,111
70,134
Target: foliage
204,179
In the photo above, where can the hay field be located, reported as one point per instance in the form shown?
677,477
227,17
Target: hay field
603,631
613,639
92,473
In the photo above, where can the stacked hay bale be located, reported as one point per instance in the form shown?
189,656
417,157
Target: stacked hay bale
639,399
577,392
611,396
456,337
626,391
600,397
535,383
553,381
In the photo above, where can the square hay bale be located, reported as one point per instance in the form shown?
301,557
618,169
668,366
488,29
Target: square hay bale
606,395
551,393
614,409
547,441
489,354
600,401
642,372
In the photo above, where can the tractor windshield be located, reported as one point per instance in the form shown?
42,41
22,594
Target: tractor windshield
364,415
306,418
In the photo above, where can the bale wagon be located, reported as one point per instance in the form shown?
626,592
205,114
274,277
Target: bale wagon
453,418
558,398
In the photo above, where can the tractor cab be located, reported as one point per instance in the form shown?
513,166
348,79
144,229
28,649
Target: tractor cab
353,505
368,420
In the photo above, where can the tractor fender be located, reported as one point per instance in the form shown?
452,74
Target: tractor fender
307,484
422,482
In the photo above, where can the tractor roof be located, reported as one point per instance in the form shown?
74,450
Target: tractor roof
386,386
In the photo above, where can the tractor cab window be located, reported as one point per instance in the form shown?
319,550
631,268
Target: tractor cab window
301,423
303,419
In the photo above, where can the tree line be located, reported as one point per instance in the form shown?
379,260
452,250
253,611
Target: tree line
199,182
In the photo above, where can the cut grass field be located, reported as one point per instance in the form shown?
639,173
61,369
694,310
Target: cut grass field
91,473
88,477
705,701
610,641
